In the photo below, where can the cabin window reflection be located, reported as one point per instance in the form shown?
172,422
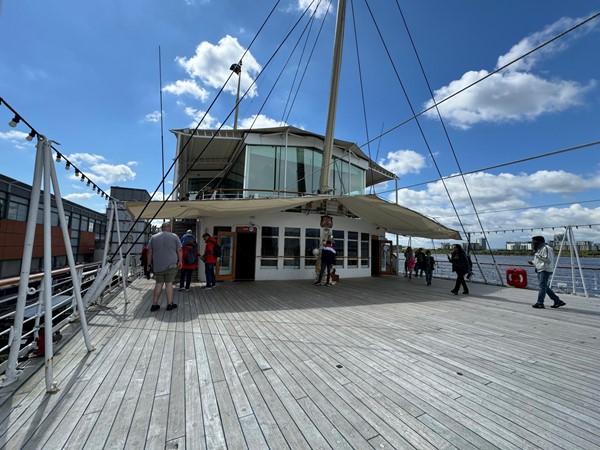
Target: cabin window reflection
291,248
352,249
312,238
364,250
269,247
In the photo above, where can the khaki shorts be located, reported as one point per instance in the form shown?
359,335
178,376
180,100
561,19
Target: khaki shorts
168,276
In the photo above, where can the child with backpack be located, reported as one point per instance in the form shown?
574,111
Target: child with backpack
189,262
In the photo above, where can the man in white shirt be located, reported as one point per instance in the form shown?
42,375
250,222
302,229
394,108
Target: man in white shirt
543,260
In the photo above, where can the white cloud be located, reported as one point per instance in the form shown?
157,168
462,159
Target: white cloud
85,158
80,196
402,162
321,7
260,121
100,172
16,138
211,63
190,87
154,116
208,121
515,93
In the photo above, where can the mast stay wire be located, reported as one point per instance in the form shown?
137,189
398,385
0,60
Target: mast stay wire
413,111
268,96
494,72
362,90
308,62
164,201
182,177
450,143
517,161
499,69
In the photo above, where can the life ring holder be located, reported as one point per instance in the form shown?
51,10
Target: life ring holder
516,278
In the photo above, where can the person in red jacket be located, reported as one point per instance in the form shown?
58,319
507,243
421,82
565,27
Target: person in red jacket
210,260
189,263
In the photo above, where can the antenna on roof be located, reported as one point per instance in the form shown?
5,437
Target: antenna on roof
162,139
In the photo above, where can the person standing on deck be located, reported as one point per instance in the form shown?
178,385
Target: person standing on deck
460,265
210,260
543,261
429,266
164,253
327,261
410,262
189,262
186,236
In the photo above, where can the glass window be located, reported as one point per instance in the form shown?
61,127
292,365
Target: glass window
291,248
352,249
75,221
269,247
364,250
312,241
84,223
17,212
91,226
338,245
2,207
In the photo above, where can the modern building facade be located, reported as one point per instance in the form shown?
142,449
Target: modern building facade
87,230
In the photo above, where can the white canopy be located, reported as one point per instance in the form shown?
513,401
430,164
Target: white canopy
388,216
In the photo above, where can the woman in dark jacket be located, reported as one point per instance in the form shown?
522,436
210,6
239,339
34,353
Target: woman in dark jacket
460,265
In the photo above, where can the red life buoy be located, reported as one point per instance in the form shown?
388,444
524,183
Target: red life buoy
516,277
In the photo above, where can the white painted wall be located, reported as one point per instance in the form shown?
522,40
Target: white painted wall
283,220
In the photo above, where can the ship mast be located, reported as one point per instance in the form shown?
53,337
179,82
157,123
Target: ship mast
333,94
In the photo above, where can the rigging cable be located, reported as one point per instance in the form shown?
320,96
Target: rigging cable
450,143
362,89
495,71
176,159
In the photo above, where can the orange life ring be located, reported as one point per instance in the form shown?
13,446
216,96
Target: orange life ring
516,277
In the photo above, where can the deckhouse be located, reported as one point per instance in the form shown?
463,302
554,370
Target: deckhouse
258,192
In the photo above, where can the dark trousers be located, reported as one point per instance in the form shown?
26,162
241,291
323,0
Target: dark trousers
322,270
209,270
185,278
460,281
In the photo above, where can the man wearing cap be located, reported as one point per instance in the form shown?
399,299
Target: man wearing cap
543,261
164,253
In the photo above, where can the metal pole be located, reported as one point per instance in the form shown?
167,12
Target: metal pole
12,374
47,281
75,276
237,97
124,270
333,94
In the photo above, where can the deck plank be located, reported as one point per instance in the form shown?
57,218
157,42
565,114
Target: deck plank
369,363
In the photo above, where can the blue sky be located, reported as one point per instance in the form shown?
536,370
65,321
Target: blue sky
86,75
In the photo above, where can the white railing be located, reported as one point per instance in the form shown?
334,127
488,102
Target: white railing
63,305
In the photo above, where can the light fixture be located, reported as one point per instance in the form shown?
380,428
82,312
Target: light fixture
89,182
31,135
77,172
67,165
82,177
59,157
13,123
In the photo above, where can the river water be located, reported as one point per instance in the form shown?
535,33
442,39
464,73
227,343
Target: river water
566,278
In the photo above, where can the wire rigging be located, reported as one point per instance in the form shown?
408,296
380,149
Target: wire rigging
448,139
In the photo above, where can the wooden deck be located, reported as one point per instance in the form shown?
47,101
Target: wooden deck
369,363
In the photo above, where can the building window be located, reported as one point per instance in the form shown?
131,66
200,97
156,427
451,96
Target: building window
269,247
352,249
338,245
2,207
17,209
364,250
291,248
312,241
